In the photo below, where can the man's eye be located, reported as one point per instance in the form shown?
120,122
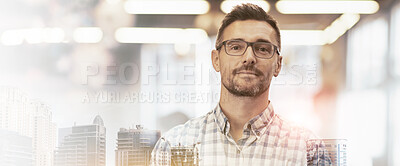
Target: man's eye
263,49
235,47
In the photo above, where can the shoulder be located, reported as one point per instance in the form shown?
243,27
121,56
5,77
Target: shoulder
189,132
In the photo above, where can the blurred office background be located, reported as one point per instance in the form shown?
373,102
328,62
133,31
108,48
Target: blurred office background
148,62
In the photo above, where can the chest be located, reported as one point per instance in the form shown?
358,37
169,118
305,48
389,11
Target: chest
268,149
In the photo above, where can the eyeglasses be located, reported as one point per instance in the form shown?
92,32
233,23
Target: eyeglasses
262,50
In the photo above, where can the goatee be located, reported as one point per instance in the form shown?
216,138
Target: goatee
254,91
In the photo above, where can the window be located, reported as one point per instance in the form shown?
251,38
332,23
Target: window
395,94
363,125
367,49
395,51
395,108
363,108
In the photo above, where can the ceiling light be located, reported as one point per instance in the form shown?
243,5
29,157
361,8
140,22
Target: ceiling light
44,35
166,7
340,26
327,6
88,35
227,5
33,36
320,37
12,37
160,35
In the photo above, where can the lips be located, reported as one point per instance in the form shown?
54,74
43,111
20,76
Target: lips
247,72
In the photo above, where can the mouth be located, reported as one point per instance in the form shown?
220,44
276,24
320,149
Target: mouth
247,72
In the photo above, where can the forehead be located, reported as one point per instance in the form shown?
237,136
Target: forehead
251,31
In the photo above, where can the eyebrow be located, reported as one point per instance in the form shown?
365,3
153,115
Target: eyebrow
258,40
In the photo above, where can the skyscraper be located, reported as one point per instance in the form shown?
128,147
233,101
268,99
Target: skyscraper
44,135
30,118
134,146
15,111
83,145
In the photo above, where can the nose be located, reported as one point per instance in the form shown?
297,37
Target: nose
248,57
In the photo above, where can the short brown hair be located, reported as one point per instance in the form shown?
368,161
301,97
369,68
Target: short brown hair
248,11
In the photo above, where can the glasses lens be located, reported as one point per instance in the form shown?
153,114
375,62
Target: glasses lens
235,47
263,50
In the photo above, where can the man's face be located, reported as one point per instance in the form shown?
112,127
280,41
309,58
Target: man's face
247,75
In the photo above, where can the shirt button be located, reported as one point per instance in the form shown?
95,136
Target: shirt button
258,133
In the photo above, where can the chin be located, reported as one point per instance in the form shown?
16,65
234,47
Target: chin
248,90
247,93
250,84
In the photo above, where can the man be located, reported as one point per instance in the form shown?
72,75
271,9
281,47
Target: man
243,129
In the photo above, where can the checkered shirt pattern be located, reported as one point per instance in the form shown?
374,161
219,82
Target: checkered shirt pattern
267,140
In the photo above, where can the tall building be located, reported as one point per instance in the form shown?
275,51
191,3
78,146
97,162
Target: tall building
15,149
134,146
30,118
44,136
15,111
83,145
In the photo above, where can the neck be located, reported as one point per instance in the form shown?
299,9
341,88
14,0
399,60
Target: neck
239,110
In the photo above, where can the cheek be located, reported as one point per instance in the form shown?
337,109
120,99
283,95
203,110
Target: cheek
268,71
225,71
225,67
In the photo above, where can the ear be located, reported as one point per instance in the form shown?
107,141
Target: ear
278,66
215,60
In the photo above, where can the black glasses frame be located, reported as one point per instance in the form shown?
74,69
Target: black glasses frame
276,49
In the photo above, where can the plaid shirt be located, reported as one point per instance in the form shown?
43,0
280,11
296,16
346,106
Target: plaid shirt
267,140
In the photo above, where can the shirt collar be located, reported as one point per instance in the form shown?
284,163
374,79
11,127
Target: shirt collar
220,119
256,124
